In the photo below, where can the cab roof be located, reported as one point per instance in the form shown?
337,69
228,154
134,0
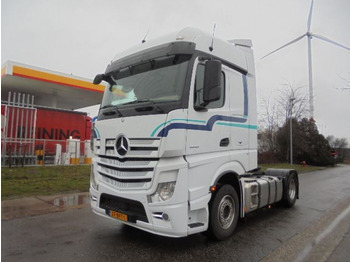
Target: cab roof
236,52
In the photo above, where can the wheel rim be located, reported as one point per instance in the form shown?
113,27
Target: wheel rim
292,189
226,212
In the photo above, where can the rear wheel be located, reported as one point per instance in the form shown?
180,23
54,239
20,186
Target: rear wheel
291,190
224,213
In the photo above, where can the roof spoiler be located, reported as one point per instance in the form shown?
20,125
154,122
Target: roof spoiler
242,42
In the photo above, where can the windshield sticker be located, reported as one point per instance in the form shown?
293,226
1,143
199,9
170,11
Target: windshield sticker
123,95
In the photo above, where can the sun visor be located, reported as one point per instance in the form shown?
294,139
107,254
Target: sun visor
182,48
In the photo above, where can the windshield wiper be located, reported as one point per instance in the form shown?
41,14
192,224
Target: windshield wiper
111,112
146,100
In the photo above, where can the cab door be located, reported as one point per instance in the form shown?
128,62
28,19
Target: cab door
239,109
205,134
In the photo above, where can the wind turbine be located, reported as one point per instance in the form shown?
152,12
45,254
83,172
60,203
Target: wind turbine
309,36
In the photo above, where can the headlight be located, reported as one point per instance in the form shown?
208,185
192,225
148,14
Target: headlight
93,181
163,193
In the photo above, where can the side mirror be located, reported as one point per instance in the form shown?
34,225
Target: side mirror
98,79
212,81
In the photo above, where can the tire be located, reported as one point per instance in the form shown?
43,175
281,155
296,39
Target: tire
291,190
224,213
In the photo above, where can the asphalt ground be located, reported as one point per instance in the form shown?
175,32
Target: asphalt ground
62,227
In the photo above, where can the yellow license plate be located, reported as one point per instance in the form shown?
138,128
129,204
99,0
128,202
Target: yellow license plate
118,215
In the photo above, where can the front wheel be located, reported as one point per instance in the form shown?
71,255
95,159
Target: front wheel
224,213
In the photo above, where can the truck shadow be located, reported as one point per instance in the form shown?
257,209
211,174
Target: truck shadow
253,239
249,225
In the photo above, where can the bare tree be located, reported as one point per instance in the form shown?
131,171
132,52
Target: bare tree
269,119
275,110
293,102
337,143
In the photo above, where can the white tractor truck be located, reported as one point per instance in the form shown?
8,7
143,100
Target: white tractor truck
175,141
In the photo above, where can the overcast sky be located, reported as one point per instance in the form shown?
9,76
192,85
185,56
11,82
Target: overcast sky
81,37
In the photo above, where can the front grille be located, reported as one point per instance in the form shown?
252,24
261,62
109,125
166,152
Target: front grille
134,170
139,147
132,208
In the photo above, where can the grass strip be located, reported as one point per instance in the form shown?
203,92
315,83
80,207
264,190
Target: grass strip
43,180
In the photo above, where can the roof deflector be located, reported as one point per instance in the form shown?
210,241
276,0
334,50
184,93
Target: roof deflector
242,42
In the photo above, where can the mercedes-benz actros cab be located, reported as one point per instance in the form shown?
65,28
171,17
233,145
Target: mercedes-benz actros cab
175,141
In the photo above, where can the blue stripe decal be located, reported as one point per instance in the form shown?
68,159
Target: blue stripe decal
245,85
208,127
96,133
175,119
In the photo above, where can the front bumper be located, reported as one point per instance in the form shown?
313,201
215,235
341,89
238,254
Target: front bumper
173,224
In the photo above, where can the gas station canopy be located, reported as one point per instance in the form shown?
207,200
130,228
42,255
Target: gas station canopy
52,89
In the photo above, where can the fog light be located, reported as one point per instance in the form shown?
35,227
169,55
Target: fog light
165,216
164,192
161,215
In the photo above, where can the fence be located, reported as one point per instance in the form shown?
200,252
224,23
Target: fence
21,152
19,143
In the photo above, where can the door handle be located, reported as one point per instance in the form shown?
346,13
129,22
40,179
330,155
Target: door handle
225,142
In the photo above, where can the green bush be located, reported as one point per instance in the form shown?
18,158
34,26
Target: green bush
308,144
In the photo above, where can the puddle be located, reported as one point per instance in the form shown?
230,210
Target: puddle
33,206
72,200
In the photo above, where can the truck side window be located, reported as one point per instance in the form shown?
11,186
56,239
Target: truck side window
238,93
198,89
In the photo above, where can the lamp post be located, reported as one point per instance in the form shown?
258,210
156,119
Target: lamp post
291,129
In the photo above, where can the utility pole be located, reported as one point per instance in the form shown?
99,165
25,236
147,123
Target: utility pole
291,129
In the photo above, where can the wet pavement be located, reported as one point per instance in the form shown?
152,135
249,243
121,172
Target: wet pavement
33,206
316,229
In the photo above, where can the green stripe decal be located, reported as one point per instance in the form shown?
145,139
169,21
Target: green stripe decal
238,125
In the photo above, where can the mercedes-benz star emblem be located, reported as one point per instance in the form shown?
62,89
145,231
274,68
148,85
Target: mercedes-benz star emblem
122,145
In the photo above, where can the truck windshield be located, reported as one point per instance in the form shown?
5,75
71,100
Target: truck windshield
157,80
